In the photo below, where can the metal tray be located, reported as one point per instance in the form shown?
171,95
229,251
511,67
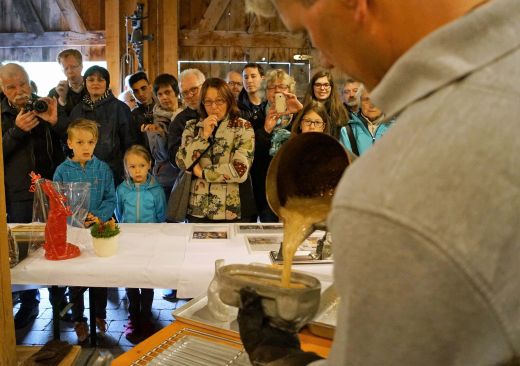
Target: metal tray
196,312
324,323
190,347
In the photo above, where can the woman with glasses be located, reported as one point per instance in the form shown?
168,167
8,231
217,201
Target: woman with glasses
215,195
275,127
321,88
312,118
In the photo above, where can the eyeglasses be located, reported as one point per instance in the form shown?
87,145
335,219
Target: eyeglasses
281,87
190,92
234,83
70,67
216,102
309,122
322,86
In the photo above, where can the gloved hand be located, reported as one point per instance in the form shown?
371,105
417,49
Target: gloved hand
264,343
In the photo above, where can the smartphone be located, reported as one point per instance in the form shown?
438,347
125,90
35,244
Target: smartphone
280,105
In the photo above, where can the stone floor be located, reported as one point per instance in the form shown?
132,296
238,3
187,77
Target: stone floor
112,341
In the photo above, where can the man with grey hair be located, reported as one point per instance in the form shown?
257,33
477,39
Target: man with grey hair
234,80
425,225
190,82
31,143
351,97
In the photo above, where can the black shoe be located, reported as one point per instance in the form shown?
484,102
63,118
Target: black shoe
170,295
25,316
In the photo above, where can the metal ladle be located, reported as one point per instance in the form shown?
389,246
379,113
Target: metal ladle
308,165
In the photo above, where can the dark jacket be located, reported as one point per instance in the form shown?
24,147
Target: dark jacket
113,118
175,130
262,158
38,150
141,115
73,99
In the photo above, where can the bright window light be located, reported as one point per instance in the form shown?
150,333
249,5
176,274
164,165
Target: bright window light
46,75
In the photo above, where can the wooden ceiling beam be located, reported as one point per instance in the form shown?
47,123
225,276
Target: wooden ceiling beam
29,16
194,38
213,14
52,39
70,13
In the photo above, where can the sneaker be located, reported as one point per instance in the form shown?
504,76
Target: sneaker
101,325
133,332
170,295
25,316
81,329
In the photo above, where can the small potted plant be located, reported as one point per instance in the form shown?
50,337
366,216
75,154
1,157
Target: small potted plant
105,236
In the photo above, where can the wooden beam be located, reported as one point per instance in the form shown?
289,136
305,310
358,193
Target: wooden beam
241,39
52,39
8,343
29,16
70,13
114,50
213,14
167,37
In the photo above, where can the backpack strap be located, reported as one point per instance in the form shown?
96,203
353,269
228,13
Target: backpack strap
352,139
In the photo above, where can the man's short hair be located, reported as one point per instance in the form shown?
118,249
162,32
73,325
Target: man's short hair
70,52
254,65
163,80
196,72
140,75
83,124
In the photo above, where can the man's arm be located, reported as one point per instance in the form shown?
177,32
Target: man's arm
405,300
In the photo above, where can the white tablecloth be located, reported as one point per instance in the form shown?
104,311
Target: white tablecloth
149,256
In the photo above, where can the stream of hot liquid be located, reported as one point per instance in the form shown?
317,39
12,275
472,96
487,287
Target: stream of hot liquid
298,216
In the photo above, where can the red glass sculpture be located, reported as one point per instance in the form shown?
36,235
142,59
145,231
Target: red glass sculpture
56,246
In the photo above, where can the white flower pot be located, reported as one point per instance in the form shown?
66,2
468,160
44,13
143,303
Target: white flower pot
105,247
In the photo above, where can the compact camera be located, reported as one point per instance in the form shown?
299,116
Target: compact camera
37,105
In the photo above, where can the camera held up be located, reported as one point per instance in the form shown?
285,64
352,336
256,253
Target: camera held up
37,105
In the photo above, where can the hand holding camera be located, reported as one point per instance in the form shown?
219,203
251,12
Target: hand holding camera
62,89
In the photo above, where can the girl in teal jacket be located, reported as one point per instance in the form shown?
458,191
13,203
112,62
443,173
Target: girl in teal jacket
140,199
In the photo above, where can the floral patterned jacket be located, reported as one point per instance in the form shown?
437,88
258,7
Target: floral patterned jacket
225,165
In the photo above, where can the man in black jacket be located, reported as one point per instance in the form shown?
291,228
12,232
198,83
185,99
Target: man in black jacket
190,82
142,115
31,142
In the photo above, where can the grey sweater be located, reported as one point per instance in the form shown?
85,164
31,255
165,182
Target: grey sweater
428,260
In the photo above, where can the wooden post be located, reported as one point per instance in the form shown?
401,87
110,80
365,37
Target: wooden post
8,342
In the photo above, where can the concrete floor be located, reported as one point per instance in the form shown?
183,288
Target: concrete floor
113,341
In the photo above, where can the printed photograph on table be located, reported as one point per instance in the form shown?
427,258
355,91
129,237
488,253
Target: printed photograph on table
259,228
210,232
263,243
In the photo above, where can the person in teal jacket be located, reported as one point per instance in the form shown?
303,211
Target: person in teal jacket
83,166
370,125
140,199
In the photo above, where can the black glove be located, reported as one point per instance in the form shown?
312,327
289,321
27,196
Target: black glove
51,354
263,342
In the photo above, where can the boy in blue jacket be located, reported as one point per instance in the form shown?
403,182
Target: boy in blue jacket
82,136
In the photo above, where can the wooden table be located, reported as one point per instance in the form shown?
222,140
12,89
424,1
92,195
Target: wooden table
309,342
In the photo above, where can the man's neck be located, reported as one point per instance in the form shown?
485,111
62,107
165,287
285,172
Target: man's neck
254,98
